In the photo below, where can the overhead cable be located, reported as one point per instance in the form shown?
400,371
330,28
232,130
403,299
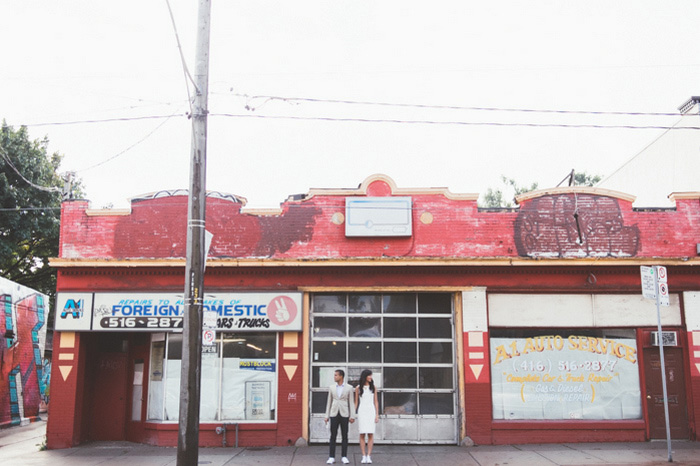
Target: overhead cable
438,107
450,122
49,189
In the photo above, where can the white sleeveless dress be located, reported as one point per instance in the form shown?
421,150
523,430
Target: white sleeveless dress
365,412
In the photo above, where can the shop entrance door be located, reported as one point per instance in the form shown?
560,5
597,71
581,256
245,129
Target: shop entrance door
108,413
675,385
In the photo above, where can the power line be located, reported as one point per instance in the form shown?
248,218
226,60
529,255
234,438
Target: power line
268,98
49,189
185,70
105,120
453,122
131,146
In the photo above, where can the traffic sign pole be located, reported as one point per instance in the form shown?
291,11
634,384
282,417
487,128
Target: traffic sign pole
661,277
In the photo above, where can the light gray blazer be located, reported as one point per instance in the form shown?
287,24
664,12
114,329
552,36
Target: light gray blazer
345,405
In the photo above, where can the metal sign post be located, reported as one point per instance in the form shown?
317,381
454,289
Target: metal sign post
660,293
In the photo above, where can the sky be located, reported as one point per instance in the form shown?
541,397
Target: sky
104,82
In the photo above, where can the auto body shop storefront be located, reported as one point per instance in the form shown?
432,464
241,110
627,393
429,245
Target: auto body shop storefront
501,326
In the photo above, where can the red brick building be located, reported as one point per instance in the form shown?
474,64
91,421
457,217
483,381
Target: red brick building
522,325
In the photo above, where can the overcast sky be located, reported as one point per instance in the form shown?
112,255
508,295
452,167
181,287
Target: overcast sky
80,60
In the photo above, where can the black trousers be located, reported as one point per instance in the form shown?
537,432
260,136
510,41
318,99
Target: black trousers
343,422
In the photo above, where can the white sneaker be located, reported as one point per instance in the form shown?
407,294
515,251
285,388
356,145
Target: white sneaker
364,460
369,460
345,460
330,461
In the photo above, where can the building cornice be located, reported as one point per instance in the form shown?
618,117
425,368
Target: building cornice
381,262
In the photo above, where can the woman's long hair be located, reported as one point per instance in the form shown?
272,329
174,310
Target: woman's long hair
363,380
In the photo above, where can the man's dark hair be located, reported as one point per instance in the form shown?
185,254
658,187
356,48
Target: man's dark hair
341,372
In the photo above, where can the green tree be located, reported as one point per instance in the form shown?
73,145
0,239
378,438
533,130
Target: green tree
584,179
31,192
495,197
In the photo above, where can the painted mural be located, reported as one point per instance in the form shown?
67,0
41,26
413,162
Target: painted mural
574,225
23,329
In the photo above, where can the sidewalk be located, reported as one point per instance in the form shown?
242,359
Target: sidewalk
20,446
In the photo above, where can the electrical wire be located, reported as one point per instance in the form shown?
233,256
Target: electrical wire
49,189
104,120
437,107
452,122
182,58
131,146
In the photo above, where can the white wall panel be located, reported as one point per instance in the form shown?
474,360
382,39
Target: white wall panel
540,310
577,310
633,310
474,316
691,303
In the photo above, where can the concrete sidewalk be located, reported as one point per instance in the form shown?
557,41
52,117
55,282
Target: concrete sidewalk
21,446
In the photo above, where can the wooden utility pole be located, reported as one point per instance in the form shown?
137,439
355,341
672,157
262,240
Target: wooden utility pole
190,376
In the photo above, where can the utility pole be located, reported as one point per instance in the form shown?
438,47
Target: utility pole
190,376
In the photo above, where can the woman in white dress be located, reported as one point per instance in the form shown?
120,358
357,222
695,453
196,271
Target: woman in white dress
367,412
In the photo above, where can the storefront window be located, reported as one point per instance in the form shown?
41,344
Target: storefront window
239,378
556,374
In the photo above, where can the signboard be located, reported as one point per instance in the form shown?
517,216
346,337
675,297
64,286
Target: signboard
257,396
557,377
157,312
648,282
73,312
208,337
663,294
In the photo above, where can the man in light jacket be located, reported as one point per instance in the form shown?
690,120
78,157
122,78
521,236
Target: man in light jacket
340,409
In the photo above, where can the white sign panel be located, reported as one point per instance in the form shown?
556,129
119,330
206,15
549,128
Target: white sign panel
238,312
648,282
378,216
73,312
208,337
558,377
661,274
663,294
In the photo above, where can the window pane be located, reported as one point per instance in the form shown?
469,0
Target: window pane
352,376
399,327
318,402
400,352
400,303
175,346
209,391
364,303
435,352
329,351
241,345
365,327
435,328
364,351
156,387
248,375
400,377
329,303
434,303
400,403
329,327
435,377
436,403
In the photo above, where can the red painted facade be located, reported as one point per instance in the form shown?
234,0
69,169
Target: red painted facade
575,241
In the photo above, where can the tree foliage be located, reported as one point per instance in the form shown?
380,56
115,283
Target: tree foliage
31,192
496,197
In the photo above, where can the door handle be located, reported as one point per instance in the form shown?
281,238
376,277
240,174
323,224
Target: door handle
648,397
